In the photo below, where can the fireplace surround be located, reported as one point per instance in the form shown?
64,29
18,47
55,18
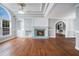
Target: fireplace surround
40,32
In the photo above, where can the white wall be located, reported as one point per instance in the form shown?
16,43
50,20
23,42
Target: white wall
13,27
76,24
69,27
69,19
51,27
27,25
66,13
21,30
18,24
40,21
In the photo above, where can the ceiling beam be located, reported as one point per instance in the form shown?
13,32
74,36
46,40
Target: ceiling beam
50,6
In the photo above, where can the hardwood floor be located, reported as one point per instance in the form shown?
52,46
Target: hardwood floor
39,47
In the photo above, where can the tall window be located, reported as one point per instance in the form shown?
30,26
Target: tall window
5,21
5,27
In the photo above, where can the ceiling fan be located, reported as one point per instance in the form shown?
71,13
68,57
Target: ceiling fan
21,8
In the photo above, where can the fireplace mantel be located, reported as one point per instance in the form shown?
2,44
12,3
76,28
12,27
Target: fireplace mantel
40,26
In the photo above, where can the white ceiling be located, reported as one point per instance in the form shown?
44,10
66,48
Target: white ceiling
40,9
34,7
62,9
29,9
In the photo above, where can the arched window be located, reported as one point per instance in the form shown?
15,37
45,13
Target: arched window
4,20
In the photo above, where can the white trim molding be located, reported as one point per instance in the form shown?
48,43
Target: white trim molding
77,48
77,40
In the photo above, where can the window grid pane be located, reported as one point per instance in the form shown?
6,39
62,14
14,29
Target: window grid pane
5,26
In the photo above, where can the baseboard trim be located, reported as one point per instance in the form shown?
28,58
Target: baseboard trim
77,48
7,39
25,37
52,37
70,37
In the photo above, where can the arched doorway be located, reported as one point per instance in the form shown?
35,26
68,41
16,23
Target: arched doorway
60,29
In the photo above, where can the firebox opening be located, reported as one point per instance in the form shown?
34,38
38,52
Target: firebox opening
39,32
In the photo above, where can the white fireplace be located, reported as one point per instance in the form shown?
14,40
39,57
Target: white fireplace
33,27
40,32
40,28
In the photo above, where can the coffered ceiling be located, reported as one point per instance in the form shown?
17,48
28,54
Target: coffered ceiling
42,9
30,9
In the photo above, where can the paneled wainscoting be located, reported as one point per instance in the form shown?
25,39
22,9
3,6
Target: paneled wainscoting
39,47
